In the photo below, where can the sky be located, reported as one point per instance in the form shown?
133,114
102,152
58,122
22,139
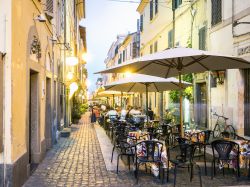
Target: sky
105,19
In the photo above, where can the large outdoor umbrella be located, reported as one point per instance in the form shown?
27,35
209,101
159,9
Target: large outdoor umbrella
145,83
178,61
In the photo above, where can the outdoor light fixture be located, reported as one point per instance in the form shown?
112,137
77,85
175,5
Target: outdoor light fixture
219,75
71,61
40,18
70,76
235,23
72,89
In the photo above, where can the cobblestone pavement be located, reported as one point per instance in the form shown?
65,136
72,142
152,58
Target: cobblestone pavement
78,161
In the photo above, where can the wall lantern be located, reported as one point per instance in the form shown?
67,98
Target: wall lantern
219,75
71,61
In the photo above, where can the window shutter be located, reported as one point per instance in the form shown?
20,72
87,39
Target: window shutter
49,8
156,6
202,38
156,46
151,49
170,39
141,23
151,10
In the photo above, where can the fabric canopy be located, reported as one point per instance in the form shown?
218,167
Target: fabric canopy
137,83
170,62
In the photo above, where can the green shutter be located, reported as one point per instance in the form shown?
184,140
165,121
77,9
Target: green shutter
141,23
151,9
202,38
170,39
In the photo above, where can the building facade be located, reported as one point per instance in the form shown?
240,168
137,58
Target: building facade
125,48
220,26
33,47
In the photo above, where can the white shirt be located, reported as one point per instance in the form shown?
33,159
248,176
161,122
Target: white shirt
112,113
135,112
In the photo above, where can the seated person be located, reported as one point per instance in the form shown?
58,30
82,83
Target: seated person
112,113
123,114
135,111
150,114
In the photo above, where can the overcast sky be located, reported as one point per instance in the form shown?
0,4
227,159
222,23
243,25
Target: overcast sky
104,20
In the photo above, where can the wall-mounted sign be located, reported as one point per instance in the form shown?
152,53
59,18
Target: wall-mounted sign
244,50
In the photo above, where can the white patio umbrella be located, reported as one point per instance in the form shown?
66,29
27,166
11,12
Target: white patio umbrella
109,93
145,83
178,61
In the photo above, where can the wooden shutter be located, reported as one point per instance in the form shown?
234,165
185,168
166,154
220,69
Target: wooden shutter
141,23
49,6
49,9
151,10
156,46
202,38
170,39
247,102
156,6
151,49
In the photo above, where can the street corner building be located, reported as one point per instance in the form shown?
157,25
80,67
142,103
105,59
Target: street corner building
36,38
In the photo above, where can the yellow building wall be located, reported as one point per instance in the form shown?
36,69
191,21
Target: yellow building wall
25,27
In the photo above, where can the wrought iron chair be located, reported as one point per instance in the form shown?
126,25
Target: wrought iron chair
203,139
227,151
148,151
181,156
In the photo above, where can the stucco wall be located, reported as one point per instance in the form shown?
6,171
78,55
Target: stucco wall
24,28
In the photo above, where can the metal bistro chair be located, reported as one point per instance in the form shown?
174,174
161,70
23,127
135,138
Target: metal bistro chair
203,139
148,151
182,156
225,148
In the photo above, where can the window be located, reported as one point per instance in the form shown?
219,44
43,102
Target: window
120,59
1,104
151,9
170,39
141,23
124,55
202,38
176,4
49,9
216,12
156,46
156,7
151,49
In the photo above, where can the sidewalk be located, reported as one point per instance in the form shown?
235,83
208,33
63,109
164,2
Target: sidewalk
83,160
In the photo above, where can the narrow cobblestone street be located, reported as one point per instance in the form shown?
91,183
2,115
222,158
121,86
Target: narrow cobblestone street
78,161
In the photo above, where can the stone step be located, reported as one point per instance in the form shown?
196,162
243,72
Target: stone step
65,132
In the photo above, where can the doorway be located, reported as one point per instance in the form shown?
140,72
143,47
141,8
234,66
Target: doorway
48,121
34,144
201,106
247,102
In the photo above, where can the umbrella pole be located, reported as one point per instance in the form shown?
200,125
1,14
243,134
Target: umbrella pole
114,100
181,121
121,99
147,102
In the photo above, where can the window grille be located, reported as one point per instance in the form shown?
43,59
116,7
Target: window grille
216,12
49,6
